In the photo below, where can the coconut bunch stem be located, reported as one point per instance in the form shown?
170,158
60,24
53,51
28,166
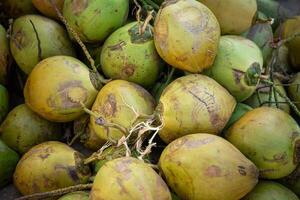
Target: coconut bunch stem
56,193
133,138
270,74
78,40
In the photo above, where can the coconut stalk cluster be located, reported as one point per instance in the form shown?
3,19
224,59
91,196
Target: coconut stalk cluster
150,99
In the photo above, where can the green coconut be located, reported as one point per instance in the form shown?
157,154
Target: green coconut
16,8
207,167
8,162
237,66
289,28
50,166
4,102
292,181
294,90
269,190
270,138
130,55
239,111
75,196
261,34
58,86
186,35
279,10
23,129
128,178
118,102
35,38
262,97
283,65
94,20
4,55
239,15
194,104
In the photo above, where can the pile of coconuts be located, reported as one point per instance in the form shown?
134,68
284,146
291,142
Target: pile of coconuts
150,99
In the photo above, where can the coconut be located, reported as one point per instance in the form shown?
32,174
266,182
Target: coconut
239,111
237,66
75,196
292,181
8,162
261,34
58,86
270,138
46,8
279,10
289,28
220,171
262,97
119,102
35,37
94,20
186,35
130,55
3,102
50,166
193,104
128,179
269,190
23,129
4,55
16,8
293,90
238,17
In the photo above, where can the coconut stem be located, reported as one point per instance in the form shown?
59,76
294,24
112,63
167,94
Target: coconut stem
58,192
294,107
147,21
101,122
97,155
83,47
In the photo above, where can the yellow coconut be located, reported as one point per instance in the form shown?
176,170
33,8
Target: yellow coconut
270,138
128,179
193,104
49,166
57,86
289,28
234,16
119,102
186,35
207,167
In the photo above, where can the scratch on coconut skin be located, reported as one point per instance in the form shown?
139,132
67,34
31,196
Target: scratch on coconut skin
118,46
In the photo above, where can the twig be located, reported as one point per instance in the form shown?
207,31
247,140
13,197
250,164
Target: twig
294,107
83,47
58,192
